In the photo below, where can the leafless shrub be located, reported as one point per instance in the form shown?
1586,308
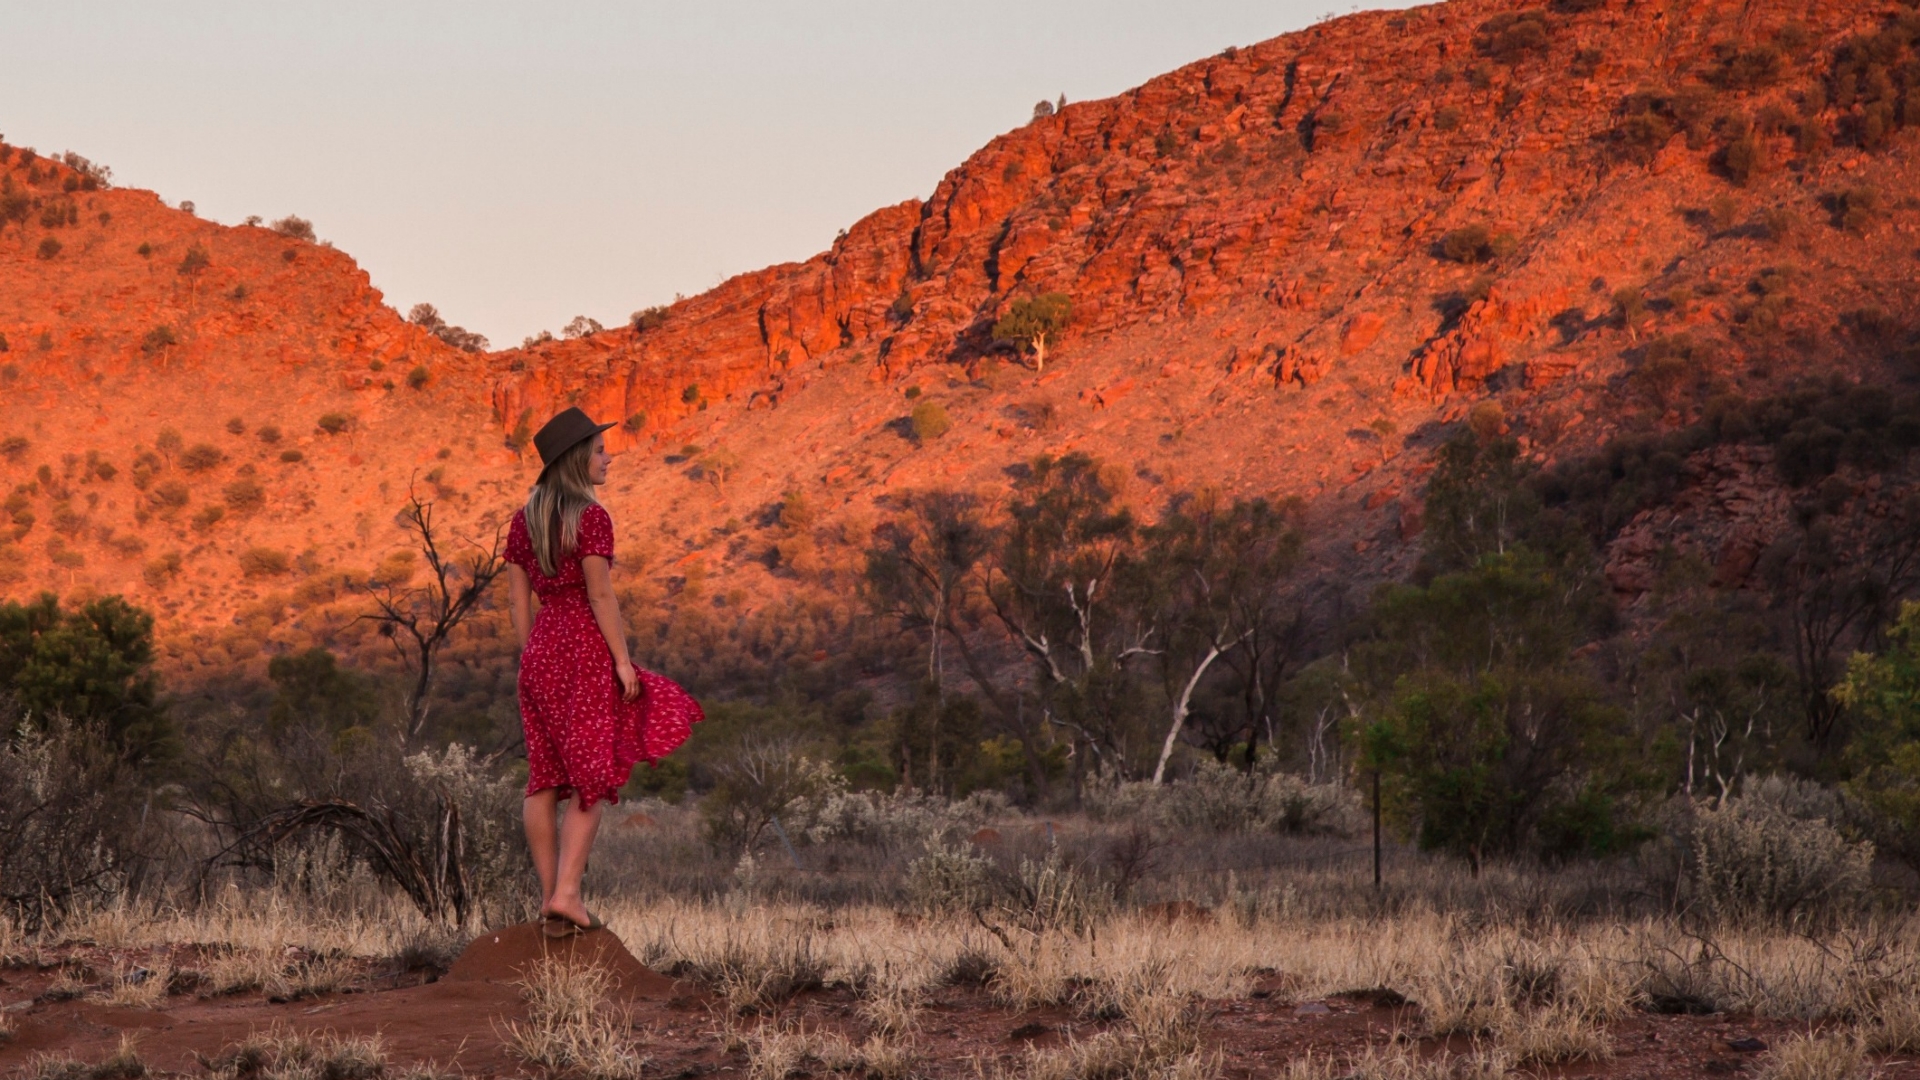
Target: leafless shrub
70,823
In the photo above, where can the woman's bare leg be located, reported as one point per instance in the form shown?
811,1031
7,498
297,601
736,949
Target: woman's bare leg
540,814
577,831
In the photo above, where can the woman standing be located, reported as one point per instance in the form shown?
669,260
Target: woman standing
588,714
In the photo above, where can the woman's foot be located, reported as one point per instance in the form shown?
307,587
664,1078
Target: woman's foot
574,914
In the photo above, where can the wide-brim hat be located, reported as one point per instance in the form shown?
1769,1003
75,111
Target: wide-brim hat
562,433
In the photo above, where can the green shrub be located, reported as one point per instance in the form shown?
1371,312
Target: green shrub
647,318
1031,322
264,562
294,228
690,394
1854,209
1747,69
161,569
194,261
245,494
949,880
93,663
1471,245
1775,852
49,247
929,421
145,250
581,326
1446,118
635,423
208,516
1883,693
170,495
334,423
1511,37
200,457
292,456
267,433
14,447
236,426
157,339
1629,305
1648,119
418,378
1741,158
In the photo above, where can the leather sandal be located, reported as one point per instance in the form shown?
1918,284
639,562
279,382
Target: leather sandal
558,926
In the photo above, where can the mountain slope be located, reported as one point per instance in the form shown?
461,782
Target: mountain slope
1293,267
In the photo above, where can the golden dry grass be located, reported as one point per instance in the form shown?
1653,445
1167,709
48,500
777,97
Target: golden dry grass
1533,995
282,1054
136,986
1467,974
572,1027
1836,1056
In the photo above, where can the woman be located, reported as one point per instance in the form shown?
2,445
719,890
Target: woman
589,716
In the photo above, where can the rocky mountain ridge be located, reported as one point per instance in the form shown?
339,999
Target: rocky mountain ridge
1293,268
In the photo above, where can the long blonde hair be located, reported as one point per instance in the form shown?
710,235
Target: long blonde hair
562,494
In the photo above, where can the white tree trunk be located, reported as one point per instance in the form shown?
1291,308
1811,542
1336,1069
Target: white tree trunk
1180,712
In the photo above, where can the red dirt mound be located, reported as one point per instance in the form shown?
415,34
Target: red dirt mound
504,955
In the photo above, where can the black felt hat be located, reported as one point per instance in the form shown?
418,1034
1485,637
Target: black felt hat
563,433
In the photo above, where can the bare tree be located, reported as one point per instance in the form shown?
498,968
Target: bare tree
427,615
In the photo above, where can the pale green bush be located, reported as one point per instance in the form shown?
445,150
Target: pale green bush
1221,798
1773,852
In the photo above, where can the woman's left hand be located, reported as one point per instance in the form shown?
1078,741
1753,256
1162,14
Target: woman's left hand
629,682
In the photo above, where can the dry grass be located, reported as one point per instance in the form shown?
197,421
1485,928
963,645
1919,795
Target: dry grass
776,1052
281,1054
124,1064
1468,974
1396,1062
137,986
891,1010
1553,1035
1160,1041
1840,1056
1538,993
573,1028
1894,1027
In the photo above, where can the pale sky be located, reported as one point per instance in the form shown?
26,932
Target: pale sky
517,164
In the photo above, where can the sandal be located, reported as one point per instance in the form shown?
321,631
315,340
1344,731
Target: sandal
558,926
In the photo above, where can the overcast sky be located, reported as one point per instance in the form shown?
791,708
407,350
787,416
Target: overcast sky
517,164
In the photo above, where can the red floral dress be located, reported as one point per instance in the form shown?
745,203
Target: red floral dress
582,738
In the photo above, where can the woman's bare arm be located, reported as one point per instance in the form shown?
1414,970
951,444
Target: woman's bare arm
606,612
520,603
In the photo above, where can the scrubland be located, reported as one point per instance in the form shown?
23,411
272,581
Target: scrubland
909,937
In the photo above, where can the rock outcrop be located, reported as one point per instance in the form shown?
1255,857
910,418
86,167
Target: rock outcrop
1292,266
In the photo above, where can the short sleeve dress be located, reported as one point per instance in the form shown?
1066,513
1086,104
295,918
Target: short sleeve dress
582,737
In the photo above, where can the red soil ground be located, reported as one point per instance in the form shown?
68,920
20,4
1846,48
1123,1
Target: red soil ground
456,1020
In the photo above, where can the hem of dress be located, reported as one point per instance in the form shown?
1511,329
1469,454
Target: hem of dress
564,792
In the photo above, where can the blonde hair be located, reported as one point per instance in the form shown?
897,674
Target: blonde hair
562,494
